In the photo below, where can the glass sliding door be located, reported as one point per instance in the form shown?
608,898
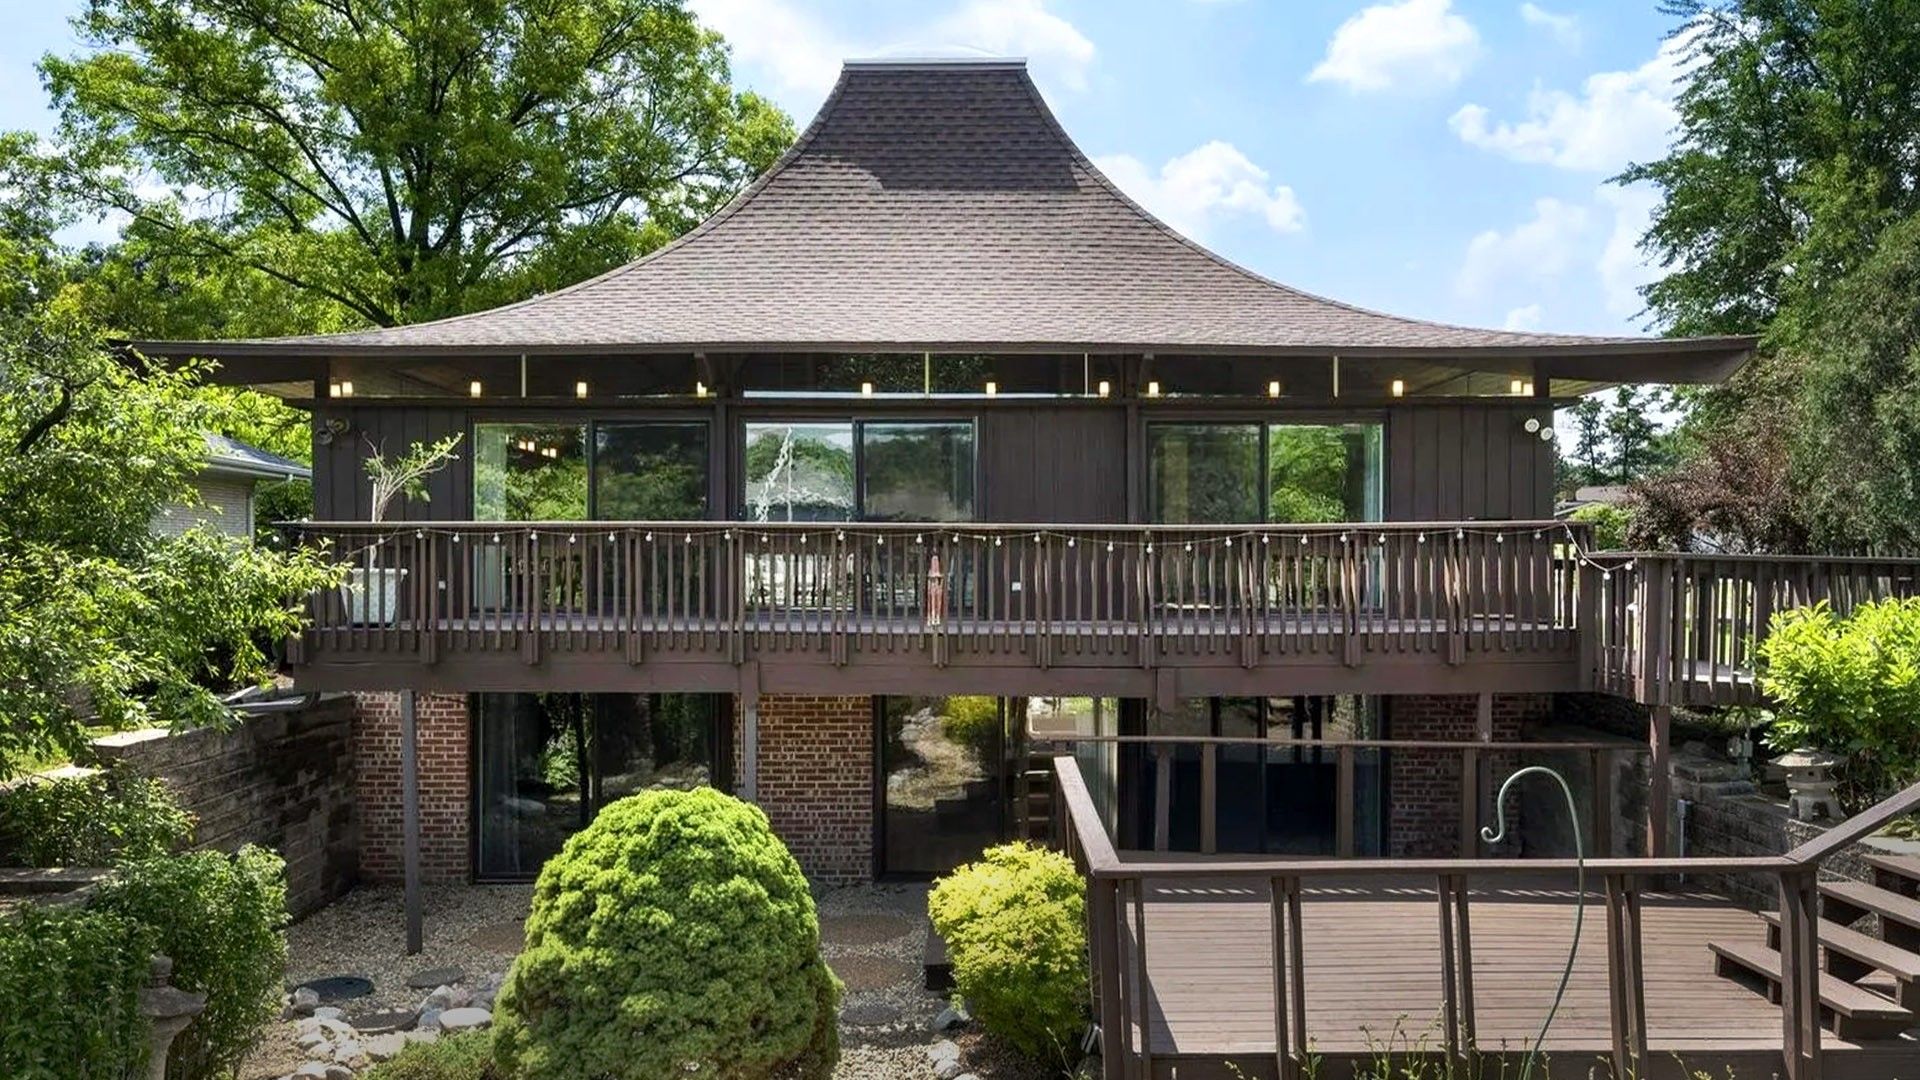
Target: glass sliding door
918,471
1203,474
529,472
649,471
1324,472
544,764
942,781
799,472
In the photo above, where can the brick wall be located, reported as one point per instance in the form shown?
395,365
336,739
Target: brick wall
445,799
816,782
1423,788
282,780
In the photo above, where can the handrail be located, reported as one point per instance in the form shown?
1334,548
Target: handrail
1626,555
1008,528
1855,828
1621,746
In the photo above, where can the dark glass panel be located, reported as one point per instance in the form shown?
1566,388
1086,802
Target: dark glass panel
941,766
650,471
1203,474
917,471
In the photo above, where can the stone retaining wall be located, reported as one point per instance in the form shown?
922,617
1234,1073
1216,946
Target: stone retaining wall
280,779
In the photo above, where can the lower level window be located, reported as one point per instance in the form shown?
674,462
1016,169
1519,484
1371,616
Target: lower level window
546,763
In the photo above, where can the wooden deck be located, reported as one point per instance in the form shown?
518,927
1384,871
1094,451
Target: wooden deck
1372,963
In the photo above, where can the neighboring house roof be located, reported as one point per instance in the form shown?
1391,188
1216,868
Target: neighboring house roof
938,205
231,457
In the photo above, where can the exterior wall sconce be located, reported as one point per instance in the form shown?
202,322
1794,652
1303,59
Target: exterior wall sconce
1105,388
473,388
1516,387
866,389
992,388
1527,388
699,389
346,387
1273,388
333,388
1534,426
1153,388
580,389
1399,388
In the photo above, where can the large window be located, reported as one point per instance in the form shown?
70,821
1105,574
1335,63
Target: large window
1234,473
943,776
611,470
546,763
859,471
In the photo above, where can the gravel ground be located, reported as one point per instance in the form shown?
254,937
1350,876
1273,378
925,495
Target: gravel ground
873,936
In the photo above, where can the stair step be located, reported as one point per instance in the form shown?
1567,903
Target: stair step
1864,952
1872,899
1906,867
1857,1013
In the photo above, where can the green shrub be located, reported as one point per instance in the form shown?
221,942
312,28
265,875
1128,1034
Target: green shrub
1850,687
68,984
221,920
1015,928
91,820
466,1056
1610,524
674,936
972,721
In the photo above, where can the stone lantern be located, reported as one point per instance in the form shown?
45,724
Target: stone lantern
1810,783
168,1010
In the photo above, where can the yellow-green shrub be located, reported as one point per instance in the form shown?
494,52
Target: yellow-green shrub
466,1056
674,936
1015,928
972,720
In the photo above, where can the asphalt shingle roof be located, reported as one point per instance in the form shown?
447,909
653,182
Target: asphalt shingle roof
936,205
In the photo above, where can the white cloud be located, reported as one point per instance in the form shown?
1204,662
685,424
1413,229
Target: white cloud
1213,180
1541,247
1622,267
1410,44
1564,28
1616,118
1523,318
1021,28
802,54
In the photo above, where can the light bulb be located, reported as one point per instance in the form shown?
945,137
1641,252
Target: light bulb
346,388
1399,388
473,388
580,389
1273,388
1105,388
1153,388
1514,387
866,389
992,388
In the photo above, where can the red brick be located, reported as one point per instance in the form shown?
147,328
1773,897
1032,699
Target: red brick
443,732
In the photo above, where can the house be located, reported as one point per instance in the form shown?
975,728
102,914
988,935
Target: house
224,488
933,466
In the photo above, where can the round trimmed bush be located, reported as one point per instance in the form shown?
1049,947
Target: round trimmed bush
1015,928
673,936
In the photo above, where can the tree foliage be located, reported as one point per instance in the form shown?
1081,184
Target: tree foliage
1788,206
100,619
390,161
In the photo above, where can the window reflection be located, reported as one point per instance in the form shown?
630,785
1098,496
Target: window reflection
546,763
917,471
1235,473
799,472
529,472
1204,474
650,471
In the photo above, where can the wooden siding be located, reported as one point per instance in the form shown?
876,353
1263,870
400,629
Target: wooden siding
1468,462
341,490
1064,465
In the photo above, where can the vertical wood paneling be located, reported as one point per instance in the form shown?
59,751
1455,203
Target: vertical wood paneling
1455,462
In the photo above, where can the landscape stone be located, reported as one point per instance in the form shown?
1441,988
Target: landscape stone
944,1050
382,1047
313,1040
312,1070
440,998
418,1035
946,1069
350,1053
330,1012
433,977
950,1017
302,1001
429,1019
463,1019
380,1023
337,1071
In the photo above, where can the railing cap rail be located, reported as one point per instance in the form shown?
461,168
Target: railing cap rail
1014,528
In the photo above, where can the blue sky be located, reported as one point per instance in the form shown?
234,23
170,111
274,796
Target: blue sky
1438,158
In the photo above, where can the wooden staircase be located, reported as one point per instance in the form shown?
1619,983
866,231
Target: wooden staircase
1870,944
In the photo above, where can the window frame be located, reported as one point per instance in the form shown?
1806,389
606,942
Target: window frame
856,425
1265,421
590,426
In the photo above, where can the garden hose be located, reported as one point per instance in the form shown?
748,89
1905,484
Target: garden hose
1493,836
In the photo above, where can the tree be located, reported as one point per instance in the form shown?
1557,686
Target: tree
1795,147
101,621
1788,203
388,161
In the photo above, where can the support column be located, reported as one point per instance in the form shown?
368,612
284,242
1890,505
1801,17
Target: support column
1660,779
410,817
750,750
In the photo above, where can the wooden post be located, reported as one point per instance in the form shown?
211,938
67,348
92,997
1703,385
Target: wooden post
1162,796
410,819
1469,803
750,750
1209,798
1800,973
1660,780
1626,978
1286,1063
1103,903
1343,803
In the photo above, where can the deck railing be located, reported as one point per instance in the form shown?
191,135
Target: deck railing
1667,628
1477,758
1118,944
1045,594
